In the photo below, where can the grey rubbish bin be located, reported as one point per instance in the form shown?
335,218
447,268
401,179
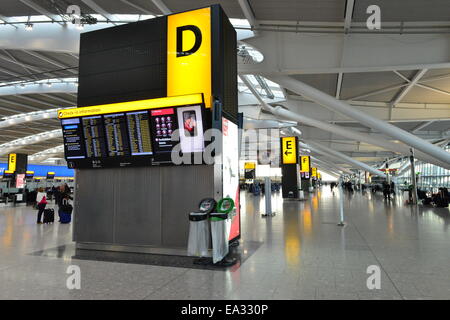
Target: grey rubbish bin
198,242
219,235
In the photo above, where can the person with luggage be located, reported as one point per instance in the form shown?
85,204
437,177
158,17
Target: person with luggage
64,206
392,188
65,209
386,190
41,200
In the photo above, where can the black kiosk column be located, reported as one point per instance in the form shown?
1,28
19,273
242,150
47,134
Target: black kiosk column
140,84
289,167
305,170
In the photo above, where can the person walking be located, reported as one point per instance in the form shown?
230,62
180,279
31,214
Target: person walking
41,200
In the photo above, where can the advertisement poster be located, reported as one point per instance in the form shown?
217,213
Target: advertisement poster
20,181
230,167
191,129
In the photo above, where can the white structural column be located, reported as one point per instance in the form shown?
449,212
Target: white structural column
328,151
346,109
344,132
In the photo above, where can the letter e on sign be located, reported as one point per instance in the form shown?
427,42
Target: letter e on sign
289,150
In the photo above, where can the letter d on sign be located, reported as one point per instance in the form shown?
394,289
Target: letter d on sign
197,44
189,54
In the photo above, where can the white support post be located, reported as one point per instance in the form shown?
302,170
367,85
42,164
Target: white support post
268,197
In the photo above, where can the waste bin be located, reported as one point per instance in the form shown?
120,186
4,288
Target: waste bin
219,235
198,242
301,194
219,228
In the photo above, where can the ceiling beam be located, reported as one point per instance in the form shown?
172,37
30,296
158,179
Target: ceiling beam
27,69
403,92
7,21
421,82
49,60
19,104
421,126
41,10
37,101
138,7
21,64
347,25
94,6
58,99
339,106
339,85
296,53
348,15
162,7
249,14
9,72
432,89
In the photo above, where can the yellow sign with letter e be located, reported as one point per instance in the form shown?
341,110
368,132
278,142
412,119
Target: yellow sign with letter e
289,150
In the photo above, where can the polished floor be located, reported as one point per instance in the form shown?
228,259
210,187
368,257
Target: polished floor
303,255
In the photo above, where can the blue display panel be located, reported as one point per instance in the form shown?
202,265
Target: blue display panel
41,170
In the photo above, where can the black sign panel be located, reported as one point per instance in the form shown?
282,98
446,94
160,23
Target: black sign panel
73,139
163,123
133,138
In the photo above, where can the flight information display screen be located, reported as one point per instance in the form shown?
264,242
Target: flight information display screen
139,133
116,135
132,137
94,136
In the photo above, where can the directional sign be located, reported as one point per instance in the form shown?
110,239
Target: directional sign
289,150
12,161
250,165
305,164
313,172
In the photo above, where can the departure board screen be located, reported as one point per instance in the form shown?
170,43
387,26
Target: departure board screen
132,137
116,134
139,129
73,138
94,136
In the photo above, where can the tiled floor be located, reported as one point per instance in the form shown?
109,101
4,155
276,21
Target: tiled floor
304,255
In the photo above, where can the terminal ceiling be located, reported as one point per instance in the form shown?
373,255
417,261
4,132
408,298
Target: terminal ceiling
416,98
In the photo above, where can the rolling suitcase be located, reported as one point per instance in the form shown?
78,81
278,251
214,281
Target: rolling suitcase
49,216
65,212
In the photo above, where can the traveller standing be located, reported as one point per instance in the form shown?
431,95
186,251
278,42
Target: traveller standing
41,200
